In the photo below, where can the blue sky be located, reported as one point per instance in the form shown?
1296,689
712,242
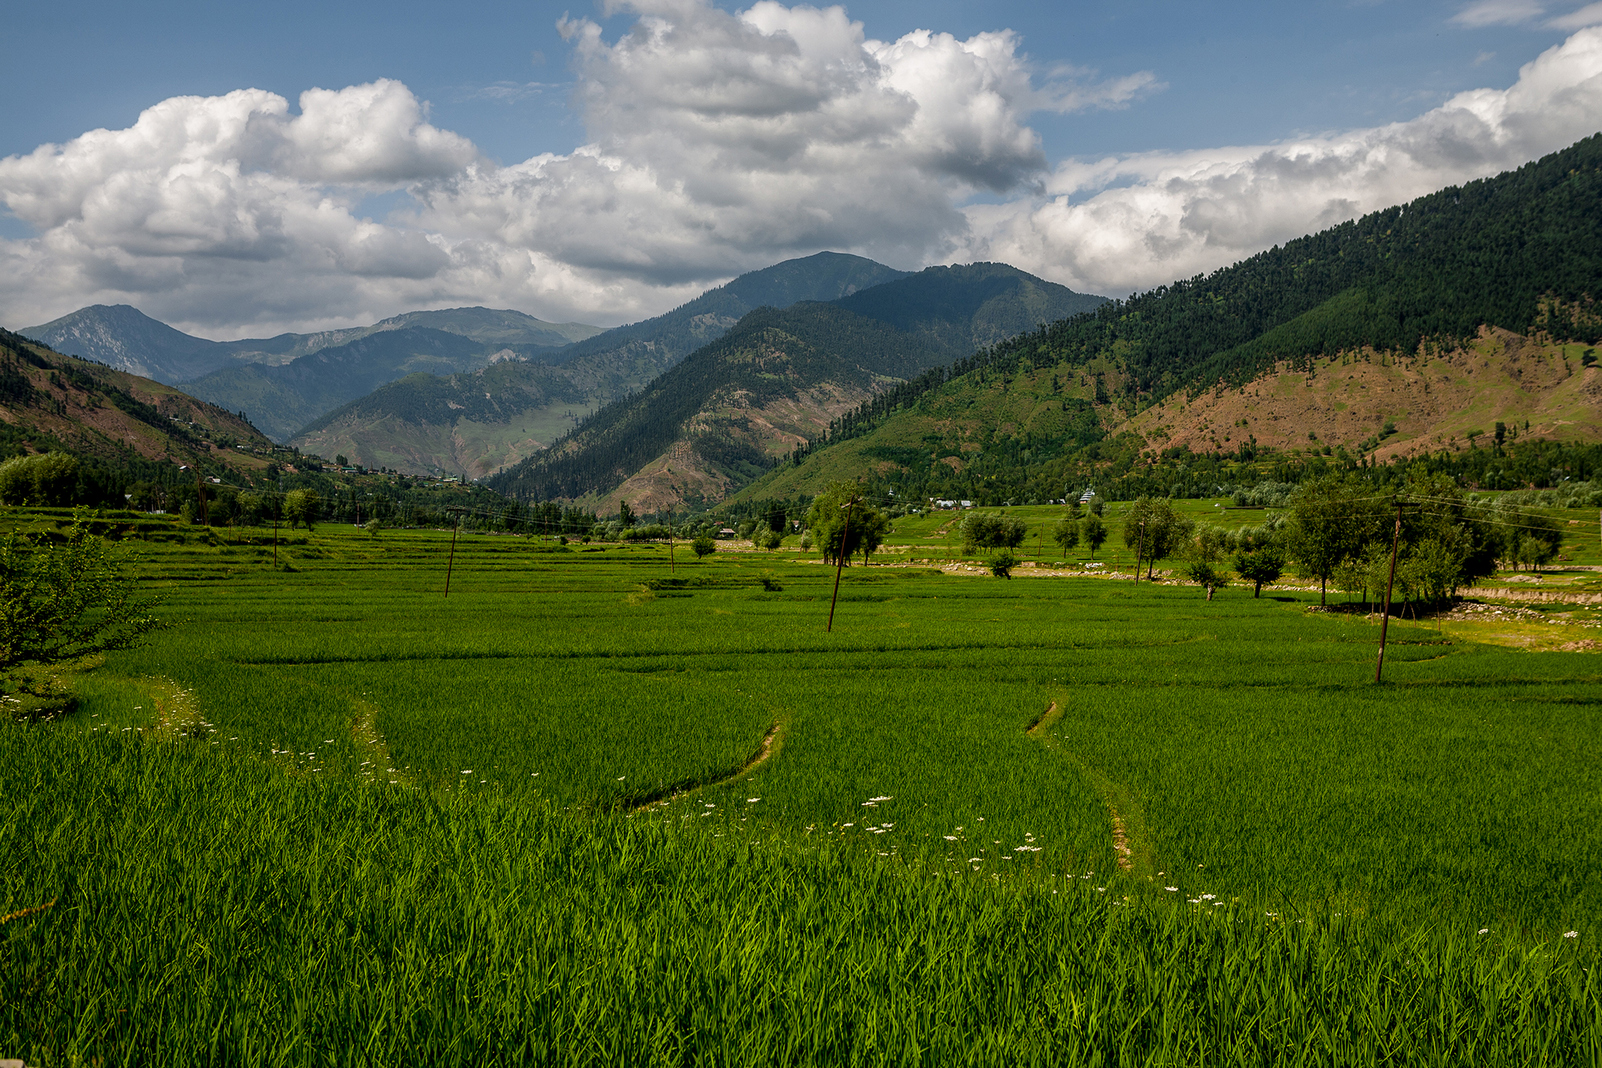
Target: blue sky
1085,103
498,73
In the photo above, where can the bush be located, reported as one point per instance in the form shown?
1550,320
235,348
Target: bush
703,546
43,478
1002,563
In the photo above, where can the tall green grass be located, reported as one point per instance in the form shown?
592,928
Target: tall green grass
213,908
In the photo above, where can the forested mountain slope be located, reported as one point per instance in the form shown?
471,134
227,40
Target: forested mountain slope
668,338
967,306
123,337
732,408
1401,332
469,424
717,417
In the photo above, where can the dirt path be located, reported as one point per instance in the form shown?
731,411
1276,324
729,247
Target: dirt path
765,752
1122,852
380,764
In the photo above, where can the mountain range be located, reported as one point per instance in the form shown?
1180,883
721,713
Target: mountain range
1462,319
125,338
1420,332
483,420
732,408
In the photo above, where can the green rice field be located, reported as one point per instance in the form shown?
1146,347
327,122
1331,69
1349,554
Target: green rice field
594,807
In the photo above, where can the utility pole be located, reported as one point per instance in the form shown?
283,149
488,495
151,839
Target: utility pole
200,491
670,542
839,560
276,506
1140,546
1385,619
451,563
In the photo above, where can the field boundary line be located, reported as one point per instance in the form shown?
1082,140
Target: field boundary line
765,751
1109,792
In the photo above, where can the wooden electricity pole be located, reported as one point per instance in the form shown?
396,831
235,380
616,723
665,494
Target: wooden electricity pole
839,560
1385,618
451,563
200,491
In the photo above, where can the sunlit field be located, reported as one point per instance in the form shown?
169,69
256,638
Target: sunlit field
597,807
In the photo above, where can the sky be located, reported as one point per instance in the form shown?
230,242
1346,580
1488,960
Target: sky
240,170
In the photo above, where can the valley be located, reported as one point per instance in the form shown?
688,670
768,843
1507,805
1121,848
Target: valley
525,692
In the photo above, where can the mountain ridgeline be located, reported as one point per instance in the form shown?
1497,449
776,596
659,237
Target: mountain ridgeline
127,339
1496,279
733,407
477,422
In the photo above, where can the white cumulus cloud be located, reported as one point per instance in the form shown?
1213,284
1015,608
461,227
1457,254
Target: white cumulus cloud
1126,223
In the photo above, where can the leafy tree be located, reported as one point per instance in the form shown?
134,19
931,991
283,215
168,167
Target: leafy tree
1154,530
625,514
302,506
1260,568
1333,519
864,531
1518,535
1207,543
1094,531
703,546
1065,532
1433,568
983,530
1203,573
871,529
61,601
1002,563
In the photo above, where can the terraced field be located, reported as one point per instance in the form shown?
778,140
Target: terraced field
593,807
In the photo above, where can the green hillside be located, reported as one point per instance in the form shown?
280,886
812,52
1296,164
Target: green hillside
468,424
1520,253
426,426
672,336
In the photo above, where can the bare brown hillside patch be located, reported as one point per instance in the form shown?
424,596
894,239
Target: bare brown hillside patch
1434,399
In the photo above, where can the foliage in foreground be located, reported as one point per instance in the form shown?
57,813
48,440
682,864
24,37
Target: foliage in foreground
60,600
206,907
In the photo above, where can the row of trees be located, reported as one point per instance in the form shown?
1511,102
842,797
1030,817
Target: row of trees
1339,531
